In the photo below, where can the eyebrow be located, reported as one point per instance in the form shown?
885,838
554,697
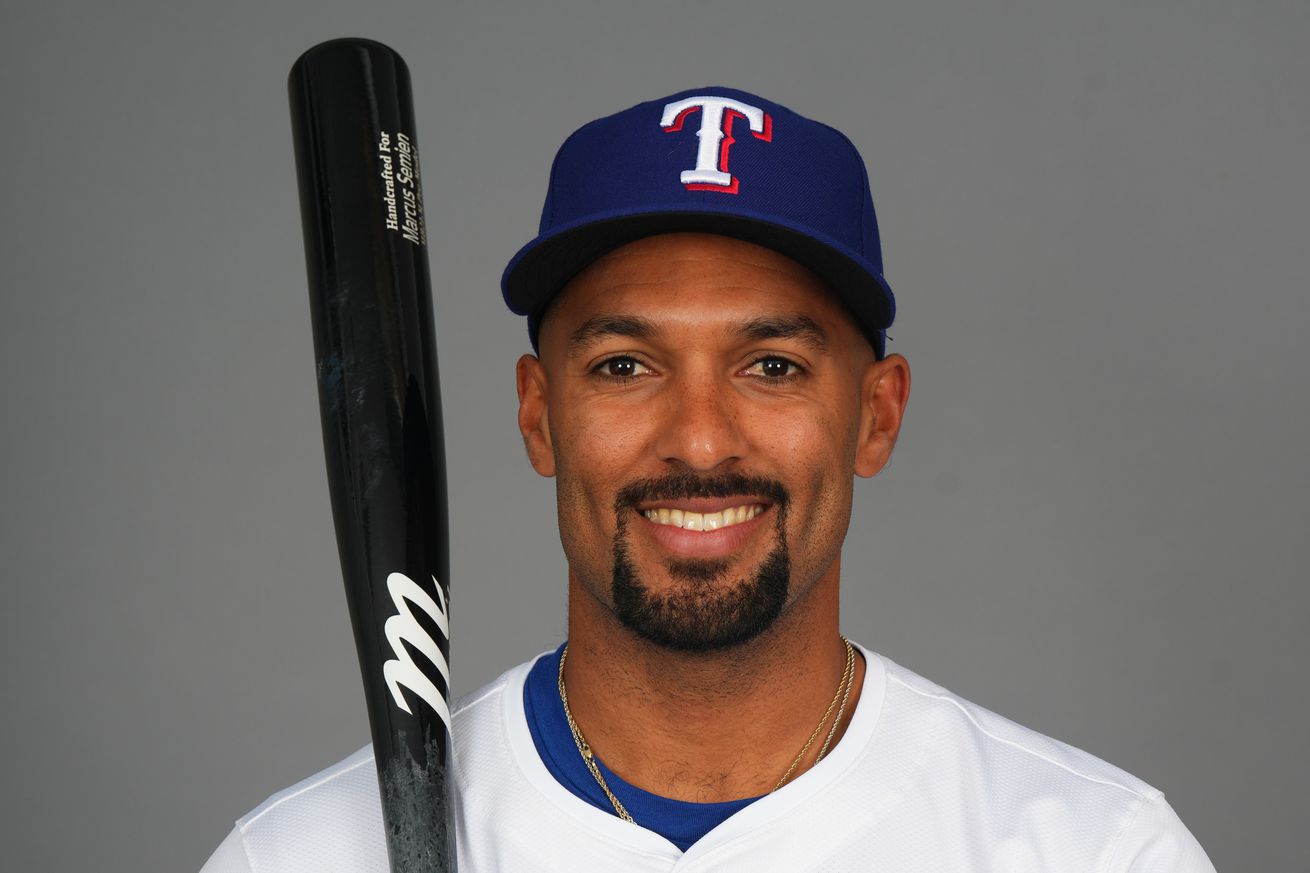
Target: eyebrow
601,326
797,327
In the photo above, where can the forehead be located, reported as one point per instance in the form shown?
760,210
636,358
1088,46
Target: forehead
696,286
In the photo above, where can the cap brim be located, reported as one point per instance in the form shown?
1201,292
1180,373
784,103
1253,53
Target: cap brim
545,265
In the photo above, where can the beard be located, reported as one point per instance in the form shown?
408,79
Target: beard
704,610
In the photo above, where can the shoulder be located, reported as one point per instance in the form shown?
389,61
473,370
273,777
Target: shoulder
330,821
1027,788
333,820
967,731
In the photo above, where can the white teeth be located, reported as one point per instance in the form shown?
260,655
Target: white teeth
703,521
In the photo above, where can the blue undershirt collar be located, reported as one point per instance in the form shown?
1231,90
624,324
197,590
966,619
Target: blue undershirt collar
680,822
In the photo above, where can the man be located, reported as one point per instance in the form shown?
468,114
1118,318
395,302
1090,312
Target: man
707,303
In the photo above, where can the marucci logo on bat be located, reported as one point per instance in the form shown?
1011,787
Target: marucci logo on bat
403,627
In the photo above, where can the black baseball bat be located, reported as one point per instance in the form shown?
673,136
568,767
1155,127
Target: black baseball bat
371,304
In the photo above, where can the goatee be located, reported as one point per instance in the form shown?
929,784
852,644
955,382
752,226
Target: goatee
704,611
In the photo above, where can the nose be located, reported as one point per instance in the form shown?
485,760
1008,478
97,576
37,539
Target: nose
699,424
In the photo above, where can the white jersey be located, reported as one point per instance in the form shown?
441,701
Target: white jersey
922,780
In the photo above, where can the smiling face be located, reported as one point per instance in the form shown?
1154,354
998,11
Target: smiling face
704,403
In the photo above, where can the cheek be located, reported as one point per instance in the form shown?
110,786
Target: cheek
812,441
817,451
596,448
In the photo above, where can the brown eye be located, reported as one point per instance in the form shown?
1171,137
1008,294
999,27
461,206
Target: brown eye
773,368
621,368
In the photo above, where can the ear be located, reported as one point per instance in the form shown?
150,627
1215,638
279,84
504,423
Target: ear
884,391
534,419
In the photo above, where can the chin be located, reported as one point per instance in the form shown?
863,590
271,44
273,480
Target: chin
700,611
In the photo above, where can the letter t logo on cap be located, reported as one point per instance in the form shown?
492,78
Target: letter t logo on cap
715,138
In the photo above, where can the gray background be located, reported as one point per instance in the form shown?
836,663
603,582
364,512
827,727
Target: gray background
1094,216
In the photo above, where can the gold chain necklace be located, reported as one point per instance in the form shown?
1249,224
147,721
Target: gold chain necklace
843,695
583,748
843,691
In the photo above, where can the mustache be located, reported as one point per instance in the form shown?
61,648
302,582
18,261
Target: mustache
684,486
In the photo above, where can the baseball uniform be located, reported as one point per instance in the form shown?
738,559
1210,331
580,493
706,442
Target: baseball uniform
922,780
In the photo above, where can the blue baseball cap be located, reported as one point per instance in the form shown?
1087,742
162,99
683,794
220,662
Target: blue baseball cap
714,160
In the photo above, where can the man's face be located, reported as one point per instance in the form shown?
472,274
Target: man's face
703,403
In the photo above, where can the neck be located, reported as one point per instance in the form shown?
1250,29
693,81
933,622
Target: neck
707,727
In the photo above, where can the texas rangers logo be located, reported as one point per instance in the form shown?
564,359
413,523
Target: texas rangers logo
715,138
402,628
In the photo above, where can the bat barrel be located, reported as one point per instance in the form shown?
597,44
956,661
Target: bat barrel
374,344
